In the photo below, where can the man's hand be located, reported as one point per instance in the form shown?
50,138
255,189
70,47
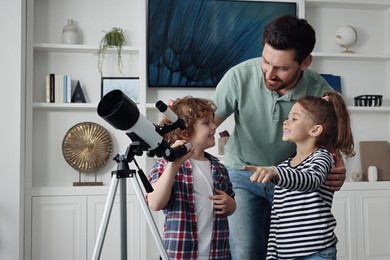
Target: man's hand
337,175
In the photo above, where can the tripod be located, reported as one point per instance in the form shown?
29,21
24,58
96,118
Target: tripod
119,176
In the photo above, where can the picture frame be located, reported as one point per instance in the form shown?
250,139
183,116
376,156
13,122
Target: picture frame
197,56
128,85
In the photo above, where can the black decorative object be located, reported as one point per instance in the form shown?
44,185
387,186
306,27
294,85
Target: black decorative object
78,95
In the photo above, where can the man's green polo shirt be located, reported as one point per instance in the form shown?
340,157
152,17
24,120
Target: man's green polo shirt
259,113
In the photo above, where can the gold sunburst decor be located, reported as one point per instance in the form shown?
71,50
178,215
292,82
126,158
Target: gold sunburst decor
87,147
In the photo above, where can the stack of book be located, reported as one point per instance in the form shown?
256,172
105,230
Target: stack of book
58,88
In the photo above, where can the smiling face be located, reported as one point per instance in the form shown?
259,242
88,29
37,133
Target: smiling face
203,134
298,127
281,72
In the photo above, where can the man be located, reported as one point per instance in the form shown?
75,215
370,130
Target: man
260,93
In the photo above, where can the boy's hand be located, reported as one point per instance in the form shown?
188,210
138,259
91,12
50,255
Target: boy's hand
223,203
180,160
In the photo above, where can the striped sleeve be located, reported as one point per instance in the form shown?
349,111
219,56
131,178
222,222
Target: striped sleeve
308,176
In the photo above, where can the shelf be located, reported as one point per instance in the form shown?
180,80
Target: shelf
355,4
73,191
351,56
365,185
79,48
67,106
64,106
151,106
369,109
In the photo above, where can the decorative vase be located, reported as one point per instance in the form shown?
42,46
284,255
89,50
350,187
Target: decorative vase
70,33
372,173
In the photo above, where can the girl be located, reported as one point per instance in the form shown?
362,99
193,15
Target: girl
302,224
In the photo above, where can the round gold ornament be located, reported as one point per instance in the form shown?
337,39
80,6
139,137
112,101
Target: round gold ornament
87,147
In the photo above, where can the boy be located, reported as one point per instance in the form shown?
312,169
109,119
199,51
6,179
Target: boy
194,191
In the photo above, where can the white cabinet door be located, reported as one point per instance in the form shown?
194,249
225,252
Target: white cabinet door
59,228
111,248
343,208
373,224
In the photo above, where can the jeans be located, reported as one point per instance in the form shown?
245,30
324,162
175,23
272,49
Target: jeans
329,253
249,225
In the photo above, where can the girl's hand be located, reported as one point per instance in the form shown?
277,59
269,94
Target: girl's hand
261,174
223,203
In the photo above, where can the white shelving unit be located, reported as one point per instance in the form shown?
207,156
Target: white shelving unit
49,178
360,207
48,55
50,195
366,71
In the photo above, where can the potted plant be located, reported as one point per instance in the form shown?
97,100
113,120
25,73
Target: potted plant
112,39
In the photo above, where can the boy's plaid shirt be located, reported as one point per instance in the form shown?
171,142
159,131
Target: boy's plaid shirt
180,230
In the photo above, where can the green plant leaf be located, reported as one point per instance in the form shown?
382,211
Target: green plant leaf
112,39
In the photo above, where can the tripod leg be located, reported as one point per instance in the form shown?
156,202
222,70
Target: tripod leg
105,218
149,218
123,218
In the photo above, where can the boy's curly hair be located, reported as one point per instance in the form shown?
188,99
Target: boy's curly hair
189,109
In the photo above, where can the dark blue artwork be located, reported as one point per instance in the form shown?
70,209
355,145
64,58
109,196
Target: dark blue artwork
192,43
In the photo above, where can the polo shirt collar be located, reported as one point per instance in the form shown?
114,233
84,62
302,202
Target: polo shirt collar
298,91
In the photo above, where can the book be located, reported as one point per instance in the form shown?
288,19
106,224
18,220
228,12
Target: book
56,88
334,81
47,90
65,78
68,89
60,88
52,87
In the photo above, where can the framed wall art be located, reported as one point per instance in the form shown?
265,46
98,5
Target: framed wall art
193,43
128,85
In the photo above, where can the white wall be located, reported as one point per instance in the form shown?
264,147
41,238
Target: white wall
12,19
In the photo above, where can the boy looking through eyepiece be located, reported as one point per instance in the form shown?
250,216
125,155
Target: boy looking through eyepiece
194,191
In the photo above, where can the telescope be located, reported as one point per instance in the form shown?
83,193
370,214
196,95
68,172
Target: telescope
123,114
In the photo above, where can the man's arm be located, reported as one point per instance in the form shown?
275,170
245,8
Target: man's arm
337,175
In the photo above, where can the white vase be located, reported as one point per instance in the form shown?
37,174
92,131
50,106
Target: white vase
70,33
372,173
